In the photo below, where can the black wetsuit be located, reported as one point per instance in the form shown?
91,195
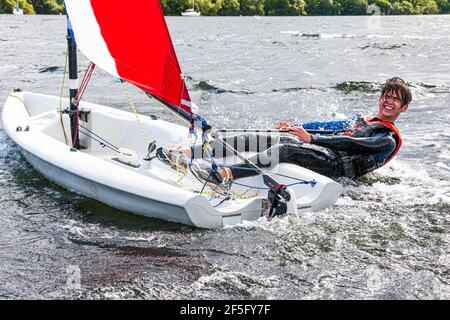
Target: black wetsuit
349,148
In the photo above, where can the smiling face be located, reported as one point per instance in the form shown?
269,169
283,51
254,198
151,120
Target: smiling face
390,105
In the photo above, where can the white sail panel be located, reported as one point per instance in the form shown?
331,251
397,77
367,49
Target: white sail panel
88,36
134,45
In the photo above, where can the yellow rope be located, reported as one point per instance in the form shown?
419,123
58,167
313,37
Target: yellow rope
180,180
211,192
206,145
60,99
23,102
144,134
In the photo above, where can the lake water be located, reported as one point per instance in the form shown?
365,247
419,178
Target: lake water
386,238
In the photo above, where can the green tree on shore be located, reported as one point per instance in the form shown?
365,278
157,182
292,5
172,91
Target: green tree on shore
251,7
443,5
353,7
285,7
322,7
47,6
262,7
6,6
230,8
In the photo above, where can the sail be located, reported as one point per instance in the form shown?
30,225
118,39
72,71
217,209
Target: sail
131,42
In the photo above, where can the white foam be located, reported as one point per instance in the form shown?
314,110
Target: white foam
236,279
381,36
442,165
335,35
292,32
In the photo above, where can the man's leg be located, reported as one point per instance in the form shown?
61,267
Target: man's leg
317,159
240,143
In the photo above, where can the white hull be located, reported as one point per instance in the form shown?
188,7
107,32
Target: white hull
151,190
116,198
191,14
17,11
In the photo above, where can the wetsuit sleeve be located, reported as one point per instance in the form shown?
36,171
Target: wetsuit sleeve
333,125
380,144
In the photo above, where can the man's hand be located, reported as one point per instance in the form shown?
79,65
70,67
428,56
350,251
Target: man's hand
301,133
282,125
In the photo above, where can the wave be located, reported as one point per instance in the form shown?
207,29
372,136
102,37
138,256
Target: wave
205,86
294,89
426,85
311,35
296,33
381,36
357,86
432,88
424,38
346,87
319,35
273,42
375,87
384,46
337,35
49,69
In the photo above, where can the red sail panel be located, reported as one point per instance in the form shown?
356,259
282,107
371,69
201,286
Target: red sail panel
138,40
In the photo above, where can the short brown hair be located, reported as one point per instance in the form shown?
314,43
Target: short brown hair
397,84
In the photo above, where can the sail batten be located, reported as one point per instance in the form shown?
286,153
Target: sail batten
132,43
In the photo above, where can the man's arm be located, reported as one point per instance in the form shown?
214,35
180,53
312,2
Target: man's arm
331,125
383,143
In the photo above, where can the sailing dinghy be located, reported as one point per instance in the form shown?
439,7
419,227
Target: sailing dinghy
108,154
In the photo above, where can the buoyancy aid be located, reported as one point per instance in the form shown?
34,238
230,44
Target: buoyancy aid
376,124
357,165
398,138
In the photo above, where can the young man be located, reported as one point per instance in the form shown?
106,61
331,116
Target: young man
345,148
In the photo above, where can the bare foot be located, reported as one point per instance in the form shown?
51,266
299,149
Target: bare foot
226,173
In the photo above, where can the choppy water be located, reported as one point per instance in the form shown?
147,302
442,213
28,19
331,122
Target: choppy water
388,237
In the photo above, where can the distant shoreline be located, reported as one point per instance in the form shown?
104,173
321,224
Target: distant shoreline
264,8
281,16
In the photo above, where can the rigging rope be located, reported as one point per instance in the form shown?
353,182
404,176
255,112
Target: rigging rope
79,95
60,99
23,102
141,127
84,83
102,142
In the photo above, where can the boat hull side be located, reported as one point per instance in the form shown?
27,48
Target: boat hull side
113,197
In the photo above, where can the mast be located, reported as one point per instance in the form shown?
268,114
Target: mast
73,89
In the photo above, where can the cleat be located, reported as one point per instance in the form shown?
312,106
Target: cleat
174,158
